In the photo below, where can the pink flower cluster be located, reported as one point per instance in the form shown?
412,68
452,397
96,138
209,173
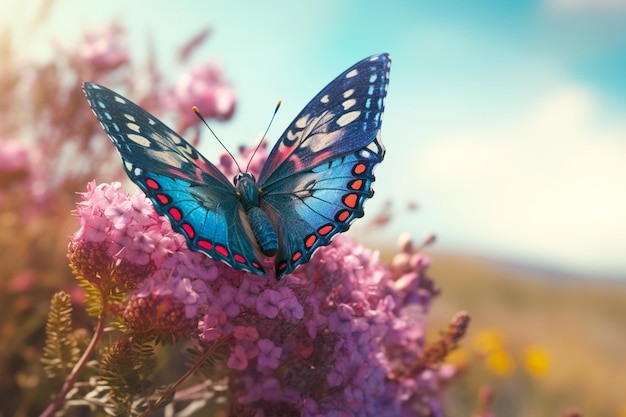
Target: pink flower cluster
205,87
104,49
14,157
326,339
332,339
15,162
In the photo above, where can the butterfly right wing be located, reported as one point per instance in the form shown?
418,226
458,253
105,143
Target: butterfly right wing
192,193
320,172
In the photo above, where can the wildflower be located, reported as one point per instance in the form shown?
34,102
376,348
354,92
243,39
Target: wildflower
160,317
328,339
104,49
111,248
485,402
15,161
536,360
500,362
488,341
269,355
206,88
340,346
491,344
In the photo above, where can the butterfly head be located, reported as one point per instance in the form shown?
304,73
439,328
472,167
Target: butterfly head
241,176
247,190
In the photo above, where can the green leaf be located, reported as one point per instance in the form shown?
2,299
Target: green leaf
61,351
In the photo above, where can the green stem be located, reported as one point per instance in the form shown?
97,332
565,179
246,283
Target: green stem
59,401
210,351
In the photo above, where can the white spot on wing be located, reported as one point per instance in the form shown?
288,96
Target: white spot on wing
348,93
348,118
120,100
133,126
348,103
373,146
129,117
174,138
325,99
291,136
352,73
138,139
302,122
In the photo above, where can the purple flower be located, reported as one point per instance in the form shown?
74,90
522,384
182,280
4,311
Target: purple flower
238,358
268,303
226,299
247,293
245,333
269,354
333,337
93,230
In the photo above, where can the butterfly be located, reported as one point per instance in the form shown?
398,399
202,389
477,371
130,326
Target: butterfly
312,186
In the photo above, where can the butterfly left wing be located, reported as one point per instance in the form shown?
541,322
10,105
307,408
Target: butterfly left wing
199,201
320,172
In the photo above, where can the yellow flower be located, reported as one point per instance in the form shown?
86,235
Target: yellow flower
458,357
488,341
500,362
536,361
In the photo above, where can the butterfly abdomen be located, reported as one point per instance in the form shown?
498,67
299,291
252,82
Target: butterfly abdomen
262,228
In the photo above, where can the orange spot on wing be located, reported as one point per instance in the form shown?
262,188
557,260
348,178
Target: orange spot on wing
359,169
221,250
356,184
310,241
205,244
326,229
189,230
296,256
152,184
163,199
350,200
343,215
175,213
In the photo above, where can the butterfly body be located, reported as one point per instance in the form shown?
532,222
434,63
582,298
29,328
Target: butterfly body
249,193
312,186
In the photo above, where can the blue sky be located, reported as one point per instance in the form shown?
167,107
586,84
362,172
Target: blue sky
505,121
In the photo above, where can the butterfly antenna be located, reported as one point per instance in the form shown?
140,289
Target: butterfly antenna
197,112
263,137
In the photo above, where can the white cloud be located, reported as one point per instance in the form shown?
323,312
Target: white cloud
568,6
550,187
